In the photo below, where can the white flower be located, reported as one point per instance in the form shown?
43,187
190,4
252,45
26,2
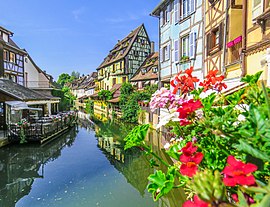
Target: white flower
167,146
166,118
172,140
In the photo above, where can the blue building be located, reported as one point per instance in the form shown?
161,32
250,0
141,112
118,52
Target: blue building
181,33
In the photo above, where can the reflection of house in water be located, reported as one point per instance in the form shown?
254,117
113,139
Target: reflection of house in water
21,165
134,165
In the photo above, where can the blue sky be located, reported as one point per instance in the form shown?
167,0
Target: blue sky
66,35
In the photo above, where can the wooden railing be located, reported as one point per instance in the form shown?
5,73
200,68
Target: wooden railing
42,128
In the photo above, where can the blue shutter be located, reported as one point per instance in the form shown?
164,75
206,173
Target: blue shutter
168,16
169,51
192,45
192,5
176,50
161,18
176,11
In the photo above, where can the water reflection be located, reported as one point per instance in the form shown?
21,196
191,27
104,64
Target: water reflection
19,170
133,164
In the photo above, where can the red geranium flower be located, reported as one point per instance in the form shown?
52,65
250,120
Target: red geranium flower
188,108
196,203
213,81
184,82
238,173
190,160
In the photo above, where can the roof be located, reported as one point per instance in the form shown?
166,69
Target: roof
5,30
115,100
38,68
11,44
148,65
157,9
116,90
19,92
85,82
122,48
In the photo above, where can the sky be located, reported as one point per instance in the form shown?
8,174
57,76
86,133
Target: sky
63,36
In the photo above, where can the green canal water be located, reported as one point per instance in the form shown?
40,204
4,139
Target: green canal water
86,167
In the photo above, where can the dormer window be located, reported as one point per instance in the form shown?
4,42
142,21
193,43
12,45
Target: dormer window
143,70
155,70
5,37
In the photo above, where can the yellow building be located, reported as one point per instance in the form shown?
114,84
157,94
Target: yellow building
223,42
257,35
124,59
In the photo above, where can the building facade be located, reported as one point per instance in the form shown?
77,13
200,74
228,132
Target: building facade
124,59
11,58
181,37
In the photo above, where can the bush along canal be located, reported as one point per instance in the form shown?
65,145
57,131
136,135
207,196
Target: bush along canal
85,167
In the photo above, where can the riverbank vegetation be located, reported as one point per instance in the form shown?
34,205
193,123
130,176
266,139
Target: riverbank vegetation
129,99
220,142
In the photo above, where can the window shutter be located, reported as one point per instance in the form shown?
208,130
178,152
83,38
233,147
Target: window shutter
184,8
176,11
176,50
192,5
192,45
161,18
221,31
168,13
169,51
208,43
161,54
257,8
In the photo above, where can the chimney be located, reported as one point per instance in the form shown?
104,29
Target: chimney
152,47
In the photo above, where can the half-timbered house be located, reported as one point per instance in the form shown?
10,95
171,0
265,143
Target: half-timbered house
181,37
11,58
124,59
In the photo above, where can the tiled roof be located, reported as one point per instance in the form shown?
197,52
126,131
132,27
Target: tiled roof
148,65
116,90
19,92
121,49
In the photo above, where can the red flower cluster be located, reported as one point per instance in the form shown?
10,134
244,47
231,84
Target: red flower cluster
184,82
186,109
213,82
196,203
238,173
190,160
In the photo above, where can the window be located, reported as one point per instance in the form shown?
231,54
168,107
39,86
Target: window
5,37
165,15
257,8
12,57
6,55
155,70
124,79
143,71
214,39
176,11
188,7
165,53
185,46
114,81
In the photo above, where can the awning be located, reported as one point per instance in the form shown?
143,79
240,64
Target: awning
115,100
20,105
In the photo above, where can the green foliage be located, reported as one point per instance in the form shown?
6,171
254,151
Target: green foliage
66,98
105,95
65,78
161,184
252,79
136,136
89,108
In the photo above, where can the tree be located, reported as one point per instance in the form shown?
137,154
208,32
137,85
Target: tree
64,78
75,74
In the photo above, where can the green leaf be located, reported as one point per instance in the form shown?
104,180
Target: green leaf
161,184
252,79
245,147
136,136
265,201
242,200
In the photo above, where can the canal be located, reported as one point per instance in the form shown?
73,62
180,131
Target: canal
86,167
